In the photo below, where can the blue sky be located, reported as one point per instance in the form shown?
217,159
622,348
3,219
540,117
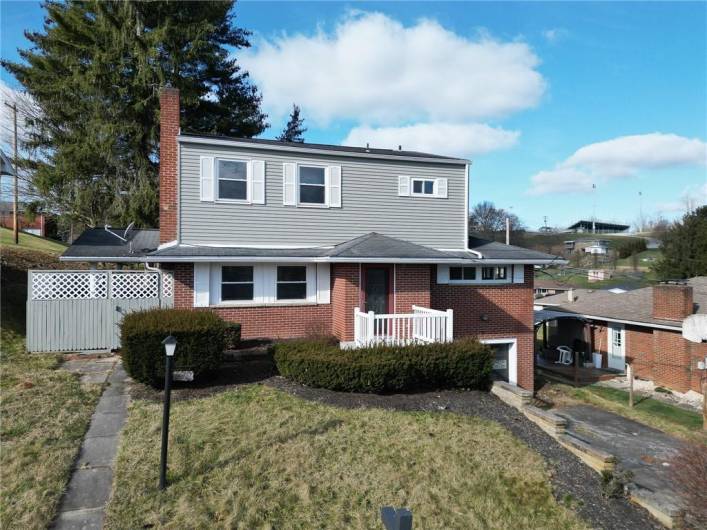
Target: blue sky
545,98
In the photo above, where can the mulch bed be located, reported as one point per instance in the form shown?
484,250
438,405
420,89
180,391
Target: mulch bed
571,480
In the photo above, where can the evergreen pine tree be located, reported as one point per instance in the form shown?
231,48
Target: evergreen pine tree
684,250
294,130
95,71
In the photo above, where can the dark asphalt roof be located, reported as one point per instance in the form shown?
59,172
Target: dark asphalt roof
495,250
239,252
636,305
101,245
326,147
97,243
376,245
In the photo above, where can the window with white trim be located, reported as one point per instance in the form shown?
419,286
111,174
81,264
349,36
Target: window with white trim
460,274
422,187
494,273
236,283
232,177
312,185
291,282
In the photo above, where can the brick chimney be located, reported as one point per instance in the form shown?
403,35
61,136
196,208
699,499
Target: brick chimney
672,301
169,129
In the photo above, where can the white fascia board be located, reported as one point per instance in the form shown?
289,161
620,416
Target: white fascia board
552,307
314,150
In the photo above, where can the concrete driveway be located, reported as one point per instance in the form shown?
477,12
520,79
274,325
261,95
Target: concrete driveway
643,451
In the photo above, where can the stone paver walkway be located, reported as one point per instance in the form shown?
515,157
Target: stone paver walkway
84,501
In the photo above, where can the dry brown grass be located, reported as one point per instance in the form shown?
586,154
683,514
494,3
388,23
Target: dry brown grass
44,414
259,458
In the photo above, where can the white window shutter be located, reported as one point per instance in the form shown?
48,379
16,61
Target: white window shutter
442,274
441,188
207,178
404,186
518,273
323,283
334,186
257,181
311,270
289,172
201,284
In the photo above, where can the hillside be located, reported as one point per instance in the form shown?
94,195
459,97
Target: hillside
30,242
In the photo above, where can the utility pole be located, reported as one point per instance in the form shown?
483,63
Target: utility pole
15,227
594,208
640,210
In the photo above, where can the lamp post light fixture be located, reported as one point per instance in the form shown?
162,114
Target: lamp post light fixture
170,344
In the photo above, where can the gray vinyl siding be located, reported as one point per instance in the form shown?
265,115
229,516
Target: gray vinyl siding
369,203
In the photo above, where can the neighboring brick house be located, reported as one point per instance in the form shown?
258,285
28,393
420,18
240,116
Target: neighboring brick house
296,239
643,327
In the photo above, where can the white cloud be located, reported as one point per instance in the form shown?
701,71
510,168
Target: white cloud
463,140
554,34
621,157
371,69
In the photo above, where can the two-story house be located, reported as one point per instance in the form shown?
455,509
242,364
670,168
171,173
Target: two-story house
292,239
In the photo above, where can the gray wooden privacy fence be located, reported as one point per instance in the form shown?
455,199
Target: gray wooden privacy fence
82,310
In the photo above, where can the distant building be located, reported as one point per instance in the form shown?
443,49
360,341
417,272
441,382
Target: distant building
36,226
598,275
548,288
597,248
597,227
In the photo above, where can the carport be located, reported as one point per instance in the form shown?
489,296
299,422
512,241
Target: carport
553,330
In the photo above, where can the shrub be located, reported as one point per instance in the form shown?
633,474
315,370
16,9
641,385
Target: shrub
232,335
321,363
200,341
630,247
690,479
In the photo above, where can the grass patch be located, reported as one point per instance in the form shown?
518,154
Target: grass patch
31,242
652,412
260,458
44,414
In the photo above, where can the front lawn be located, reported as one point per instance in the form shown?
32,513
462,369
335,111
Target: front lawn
256,457
44,414
652,412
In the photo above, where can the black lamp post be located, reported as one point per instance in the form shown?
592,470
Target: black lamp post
170,344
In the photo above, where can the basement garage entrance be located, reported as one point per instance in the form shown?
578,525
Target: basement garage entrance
505,366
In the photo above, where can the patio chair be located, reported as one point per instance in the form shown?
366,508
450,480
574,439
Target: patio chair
565,355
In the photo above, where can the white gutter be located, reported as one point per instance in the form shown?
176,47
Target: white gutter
310,259
314,150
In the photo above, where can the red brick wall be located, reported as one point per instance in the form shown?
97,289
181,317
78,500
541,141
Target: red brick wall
412,287
345,295
661,356
169,129
672,302
274,322
508,311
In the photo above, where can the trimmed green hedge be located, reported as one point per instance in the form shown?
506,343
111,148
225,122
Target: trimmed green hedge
464,363
200,342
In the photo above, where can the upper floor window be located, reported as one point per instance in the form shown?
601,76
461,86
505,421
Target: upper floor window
423,187
312,185
232,179
459,274
236,283
493,273
291,282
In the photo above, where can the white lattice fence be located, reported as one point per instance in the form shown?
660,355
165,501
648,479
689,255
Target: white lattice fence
68,285
92,285
135,285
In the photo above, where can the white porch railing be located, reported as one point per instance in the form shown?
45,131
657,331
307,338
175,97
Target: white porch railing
422,325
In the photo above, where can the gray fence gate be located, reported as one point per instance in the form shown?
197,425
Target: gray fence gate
82,310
